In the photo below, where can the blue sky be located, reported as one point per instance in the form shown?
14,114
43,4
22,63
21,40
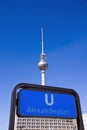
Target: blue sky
65,38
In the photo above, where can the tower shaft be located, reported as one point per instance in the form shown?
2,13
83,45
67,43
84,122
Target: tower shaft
43,77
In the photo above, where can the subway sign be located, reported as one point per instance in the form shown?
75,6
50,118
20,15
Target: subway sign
38,103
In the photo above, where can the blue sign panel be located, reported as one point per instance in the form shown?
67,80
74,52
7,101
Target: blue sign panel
46,104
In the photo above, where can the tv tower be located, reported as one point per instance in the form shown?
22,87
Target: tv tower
43,65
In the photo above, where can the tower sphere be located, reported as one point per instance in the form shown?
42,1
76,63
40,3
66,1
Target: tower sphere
43,65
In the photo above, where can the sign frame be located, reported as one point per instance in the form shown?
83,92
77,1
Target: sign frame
14,101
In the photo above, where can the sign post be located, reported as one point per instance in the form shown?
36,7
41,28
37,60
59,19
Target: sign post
37,107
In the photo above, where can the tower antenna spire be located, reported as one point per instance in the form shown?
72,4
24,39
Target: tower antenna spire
42,40
43,65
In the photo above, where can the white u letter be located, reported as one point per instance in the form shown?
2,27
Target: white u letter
51,101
